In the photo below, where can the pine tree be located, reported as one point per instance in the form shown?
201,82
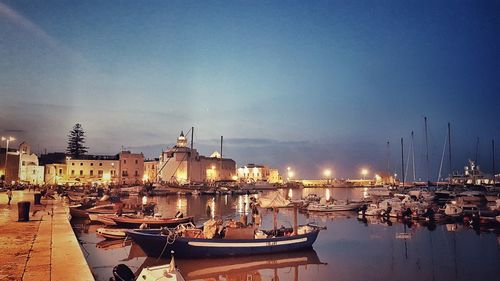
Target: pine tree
76,140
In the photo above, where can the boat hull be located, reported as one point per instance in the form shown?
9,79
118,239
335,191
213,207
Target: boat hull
155,245
125,222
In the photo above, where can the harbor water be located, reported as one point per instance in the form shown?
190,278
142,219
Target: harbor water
350,248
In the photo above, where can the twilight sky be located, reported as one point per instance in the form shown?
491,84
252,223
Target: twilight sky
307,84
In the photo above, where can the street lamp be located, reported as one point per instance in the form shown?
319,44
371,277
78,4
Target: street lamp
327,174
364,172
7,139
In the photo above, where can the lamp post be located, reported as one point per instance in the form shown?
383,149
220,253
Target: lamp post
7,139
327,173
364,172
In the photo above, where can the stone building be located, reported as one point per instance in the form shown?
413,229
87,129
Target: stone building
22,166
181,164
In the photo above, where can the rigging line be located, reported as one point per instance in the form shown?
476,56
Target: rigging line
442,158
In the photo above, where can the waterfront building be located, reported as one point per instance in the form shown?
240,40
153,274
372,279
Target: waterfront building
131,167
22,166
253,173
181,164
92,170
150,171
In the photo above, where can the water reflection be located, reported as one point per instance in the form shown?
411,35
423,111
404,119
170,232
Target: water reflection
245,268
350,245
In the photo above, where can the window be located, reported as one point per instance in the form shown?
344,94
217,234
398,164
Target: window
81,163
34,172
24,163
136,161
60,171
91,172
81,172
73,164
136,173
124,161
124,173
112,173
99,173
100,164
72,172
91,164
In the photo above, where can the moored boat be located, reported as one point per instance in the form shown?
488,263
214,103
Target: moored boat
157,243
152,222
111,233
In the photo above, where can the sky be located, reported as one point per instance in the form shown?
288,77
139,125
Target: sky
312,85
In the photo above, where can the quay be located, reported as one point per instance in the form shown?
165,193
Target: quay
44,248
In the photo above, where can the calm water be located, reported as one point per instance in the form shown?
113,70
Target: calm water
349,249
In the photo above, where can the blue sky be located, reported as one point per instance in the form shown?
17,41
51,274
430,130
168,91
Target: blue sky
308,84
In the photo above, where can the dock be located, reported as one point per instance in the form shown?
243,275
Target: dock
44,248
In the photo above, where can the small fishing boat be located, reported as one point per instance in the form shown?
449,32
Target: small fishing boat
338,205
230,239
83,212
111,233
130,221
157,242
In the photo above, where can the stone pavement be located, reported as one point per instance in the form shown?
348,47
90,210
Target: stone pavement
45,248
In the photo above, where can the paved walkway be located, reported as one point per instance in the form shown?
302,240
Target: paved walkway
45,248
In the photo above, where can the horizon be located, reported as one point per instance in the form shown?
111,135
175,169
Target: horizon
312,85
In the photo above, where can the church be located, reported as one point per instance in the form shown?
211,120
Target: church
181,164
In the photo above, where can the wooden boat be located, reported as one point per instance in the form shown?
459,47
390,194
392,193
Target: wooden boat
334,207
102,218
156,242
129,221
111,233
80,211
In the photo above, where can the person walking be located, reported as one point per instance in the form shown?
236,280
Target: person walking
9,195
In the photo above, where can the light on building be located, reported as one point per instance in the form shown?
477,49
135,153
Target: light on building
106,177
235,178
213,167
145,178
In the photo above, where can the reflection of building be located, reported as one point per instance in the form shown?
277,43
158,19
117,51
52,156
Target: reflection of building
150,171
22,166
181,164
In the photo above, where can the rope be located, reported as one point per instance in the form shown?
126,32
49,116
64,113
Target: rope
170,239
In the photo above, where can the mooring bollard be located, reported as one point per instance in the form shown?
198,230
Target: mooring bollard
38,198
23,208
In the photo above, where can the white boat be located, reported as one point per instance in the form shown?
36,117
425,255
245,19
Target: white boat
111,233
338,205
453,210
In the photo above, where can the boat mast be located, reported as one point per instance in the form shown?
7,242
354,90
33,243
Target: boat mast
413,157
220,171
493,148
402,162
477,149
190,157
426,149
449,153
388,158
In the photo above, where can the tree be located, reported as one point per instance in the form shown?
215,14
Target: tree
76,140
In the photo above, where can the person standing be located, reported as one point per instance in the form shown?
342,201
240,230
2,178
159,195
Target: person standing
9,195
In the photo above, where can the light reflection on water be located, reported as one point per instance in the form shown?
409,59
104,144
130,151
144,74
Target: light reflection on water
350,249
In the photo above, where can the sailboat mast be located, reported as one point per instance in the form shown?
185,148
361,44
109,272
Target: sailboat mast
493,148
220,172
477,149
190,157
426,149
402,162
413,157
388,158
449,153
